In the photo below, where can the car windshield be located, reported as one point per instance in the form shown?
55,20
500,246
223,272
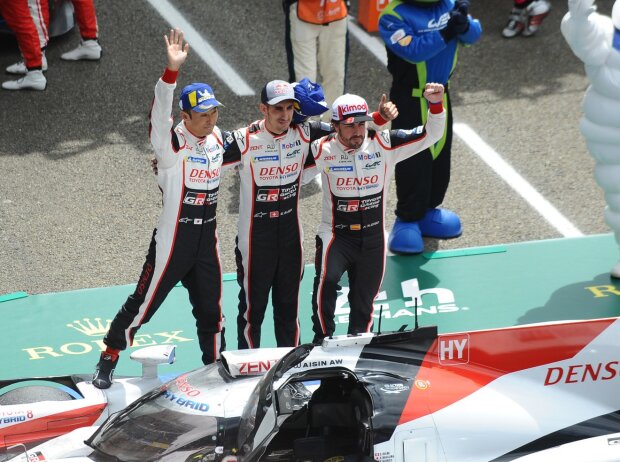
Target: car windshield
171,420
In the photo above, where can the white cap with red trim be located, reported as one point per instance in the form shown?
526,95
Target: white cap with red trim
350,108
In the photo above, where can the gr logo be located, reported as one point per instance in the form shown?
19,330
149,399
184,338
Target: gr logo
348,206
267,195
193,198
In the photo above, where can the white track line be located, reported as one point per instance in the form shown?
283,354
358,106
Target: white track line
484,151
516,181
199,45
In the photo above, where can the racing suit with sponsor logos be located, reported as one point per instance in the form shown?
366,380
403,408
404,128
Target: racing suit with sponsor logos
351,235
184,246
269,236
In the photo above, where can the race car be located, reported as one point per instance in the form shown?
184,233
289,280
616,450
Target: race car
37,409
539,392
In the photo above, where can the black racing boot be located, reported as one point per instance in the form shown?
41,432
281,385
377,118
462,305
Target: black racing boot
105,368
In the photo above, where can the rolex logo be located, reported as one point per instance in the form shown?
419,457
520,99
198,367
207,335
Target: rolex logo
94,328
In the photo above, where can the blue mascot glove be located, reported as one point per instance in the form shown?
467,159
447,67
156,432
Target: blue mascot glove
457,24
462,6
311,100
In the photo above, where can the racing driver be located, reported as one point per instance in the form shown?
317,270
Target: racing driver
356,167
184,245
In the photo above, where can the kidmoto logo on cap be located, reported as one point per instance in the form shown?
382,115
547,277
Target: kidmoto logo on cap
198,97
350,108
277,91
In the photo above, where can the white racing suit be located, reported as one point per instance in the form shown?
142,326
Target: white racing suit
351,235
184,246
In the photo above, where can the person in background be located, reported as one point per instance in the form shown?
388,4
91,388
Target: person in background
525,17
422,38
29,19
31,41
316,43
89,48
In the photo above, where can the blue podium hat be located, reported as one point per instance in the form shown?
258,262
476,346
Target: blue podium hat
198,97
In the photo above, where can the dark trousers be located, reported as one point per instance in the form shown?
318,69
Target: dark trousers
364,262
421,180
269,267
194,261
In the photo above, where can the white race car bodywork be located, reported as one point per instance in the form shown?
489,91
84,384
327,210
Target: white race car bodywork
529,393
33,420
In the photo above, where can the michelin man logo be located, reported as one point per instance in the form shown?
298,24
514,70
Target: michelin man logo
595,39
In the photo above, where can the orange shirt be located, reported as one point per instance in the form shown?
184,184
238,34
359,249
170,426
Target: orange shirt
321,11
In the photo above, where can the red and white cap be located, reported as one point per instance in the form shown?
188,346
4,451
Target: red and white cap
350,108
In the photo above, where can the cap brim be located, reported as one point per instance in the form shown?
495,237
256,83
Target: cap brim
206,106
353,119
279,99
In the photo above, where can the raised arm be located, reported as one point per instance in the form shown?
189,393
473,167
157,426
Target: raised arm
161,112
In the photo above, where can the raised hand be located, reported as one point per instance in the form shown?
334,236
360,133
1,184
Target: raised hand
462,6
433,92
457,24
387,109
177,52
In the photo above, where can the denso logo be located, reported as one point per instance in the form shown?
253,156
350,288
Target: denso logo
442,21
256,147
578,373
267,195
265,171
357,181
291,145
202,174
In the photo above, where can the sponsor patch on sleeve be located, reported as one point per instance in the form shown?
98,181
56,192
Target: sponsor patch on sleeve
405,41
397,36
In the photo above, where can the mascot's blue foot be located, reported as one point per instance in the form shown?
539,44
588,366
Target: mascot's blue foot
441,224
406,238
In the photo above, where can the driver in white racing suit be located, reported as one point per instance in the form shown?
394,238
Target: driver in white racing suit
184,246
356,167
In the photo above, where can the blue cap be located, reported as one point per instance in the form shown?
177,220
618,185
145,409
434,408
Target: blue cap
311,100
198,97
